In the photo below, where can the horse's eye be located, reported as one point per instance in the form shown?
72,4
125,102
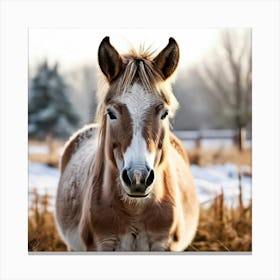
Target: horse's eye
164,115
111,115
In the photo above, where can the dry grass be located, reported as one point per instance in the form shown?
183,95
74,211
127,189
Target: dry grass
220,228
223,229
42,231
203,157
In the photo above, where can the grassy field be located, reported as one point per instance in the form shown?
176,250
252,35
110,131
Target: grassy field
220,228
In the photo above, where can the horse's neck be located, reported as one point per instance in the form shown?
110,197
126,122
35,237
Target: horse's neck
164,180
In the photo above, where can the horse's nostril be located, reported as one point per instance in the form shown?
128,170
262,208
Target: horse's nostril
125,177
150,178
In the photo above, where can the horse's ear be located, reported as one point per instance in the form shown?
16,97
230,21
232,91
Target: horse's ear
109,60
167,60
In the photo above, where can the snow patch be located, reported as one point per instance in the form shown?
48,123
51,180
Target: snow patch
211,181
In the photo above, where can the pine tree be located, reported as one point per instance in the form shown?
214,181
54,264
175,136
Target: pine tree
50,112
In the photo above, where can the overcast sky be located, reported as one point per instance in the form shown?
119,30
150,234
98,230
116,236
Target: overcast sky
74,47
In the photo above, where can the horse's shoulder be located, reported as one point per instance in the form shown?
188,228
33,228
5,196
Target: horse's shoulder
178,146
75,142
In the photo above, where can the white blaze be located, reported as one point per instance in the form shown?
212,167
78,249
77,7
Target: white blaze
138,153
137,102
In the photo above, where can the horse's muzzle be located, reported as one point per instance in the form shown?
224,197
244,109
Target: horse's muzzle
138,179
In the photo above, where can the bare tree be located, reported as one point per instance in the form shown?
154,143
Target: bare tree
227,75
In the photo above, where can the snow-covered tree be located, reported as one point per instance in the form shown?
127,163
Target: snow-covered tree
50,112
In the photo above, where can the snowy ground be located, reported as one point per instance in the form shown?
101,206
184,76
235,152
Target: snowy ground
209,181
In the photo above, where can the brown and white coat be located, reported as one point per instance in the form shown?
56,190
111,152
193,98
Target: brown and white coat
126,183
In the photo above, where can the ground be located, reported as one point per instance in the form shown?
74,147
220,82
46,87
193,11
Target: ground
223,180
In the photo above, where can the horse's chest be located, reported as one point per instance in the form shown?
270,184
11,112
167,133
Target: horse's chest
142,231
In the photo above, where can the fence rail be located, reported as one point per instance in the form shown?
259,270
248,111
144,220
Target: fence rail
212,138
209,134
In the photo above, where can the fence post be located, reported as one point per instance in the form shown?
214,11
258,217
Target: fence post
241,138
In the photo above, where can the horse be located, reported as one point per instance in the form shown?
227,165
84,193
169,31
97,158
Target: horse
126,182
